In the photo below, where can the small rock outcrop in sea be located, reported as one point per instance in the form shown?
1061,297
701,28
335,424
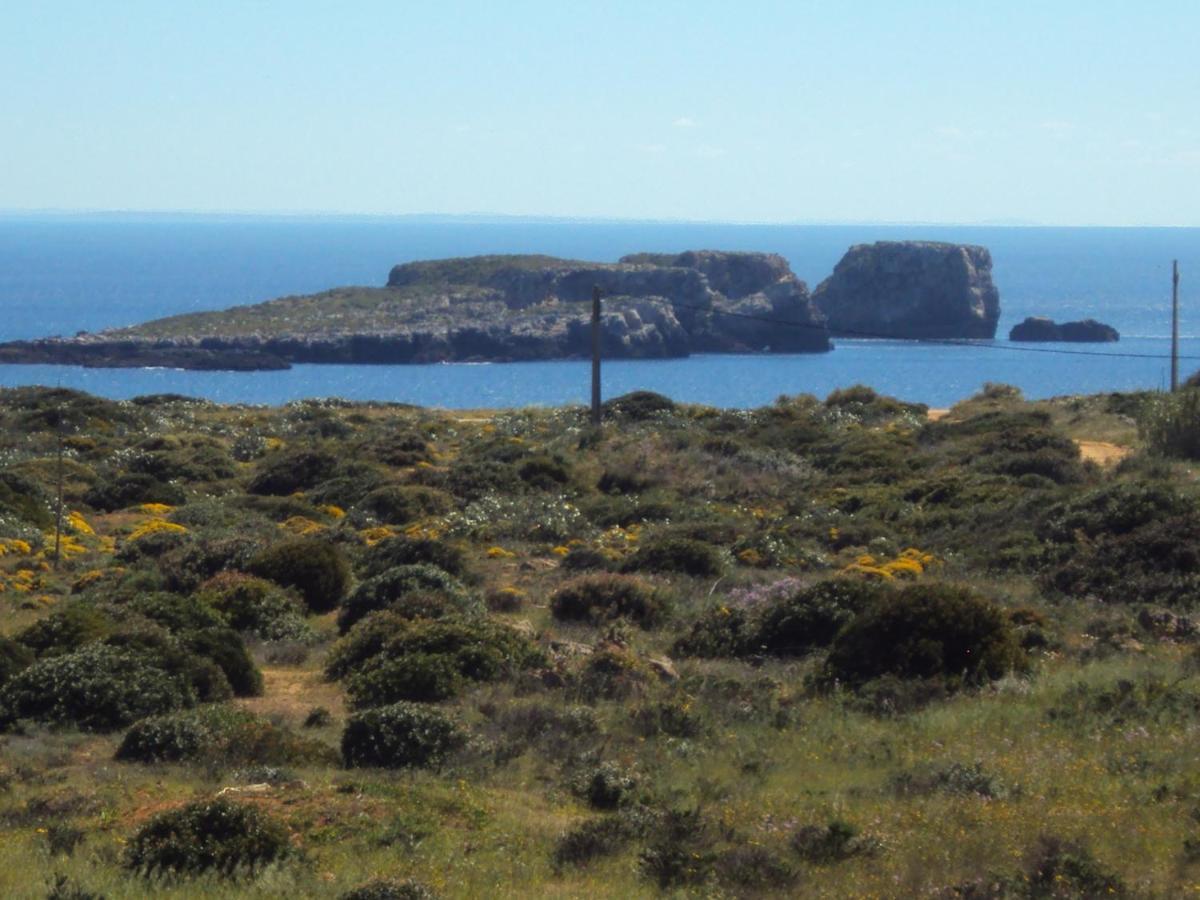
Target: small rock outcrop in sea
1087,331
482,308
911,289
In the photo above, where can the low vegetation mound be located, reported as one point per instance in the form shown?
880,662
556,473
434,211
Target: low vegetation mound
933,631
256,605
401,735
209,836
420,590
596,598
317,570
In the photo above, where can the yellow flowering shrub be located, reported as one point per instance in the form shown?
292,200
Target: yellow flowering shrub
155,509
155,526
334,512
77,523
500,553
301,526
372,536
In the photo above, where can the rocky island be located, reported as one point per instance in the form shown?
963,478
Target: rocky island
911,289
497,308
1086,331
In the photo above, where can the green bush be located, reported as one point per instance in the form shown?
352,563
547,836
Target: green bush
606,786
15,657
66,629
390,588
291,471
219,734
406,551
1169,424
402,735
166,651
420,677
316,569
399,504
834,842
927,631
595,598
720,631
256,605
639,406
390,889
812,616
478,650
207,836
546,473
225,648
129,489
175,613
677,554
95,688
590,840
611,674
755,868
187,567
26,499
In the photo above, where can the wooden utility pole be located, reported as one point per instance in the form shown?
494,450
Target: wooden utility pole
596,355
1174,326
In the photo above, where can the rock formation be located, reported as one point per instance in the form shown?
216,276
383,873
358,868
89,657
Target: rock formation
911,289
482,308
1038,328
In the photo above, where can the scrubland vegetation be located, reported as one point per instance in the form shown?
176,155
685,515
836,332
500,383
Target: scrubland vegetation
822,648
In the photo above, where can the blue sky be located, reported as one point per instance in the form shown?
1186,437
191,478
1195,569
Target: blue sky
1050,112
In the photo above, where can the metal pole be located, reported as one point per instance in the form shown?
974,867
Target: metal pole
1174,326
596,355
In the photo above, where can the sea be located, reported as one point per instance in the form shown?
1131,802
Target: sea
63,273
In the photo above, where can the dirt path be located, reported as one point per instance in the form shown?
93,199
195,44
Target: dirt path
1103,453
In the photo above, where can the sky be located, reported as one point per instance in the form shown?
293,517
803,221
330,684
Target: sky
1047,112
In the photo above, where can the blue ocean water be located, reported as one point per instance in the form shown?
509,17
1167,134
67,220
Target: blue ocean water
62,274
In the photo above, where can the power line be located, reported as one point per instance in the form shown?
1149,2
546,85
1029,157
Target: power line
950,342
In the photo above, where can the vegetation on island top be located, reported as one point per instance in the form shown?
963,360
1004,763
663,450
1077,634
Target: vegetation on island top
821,648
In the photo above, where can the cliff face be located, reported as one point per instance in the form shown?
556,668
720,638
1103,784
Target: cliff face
912,289
483,308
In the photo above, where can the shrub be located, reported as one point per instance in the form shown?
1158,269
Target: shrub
66,629
477,650
420,677
1056,867
401,735
256,605
590,840
594,598
215,835
315,568
318,717
130,489
1169,424
831,843
812,616
398,504
605,786
927,631
639,405
205,677
755,868
220,734
405,551
545,473
721,631
14,657
190,565
289,472
389,589
390,889
95,688
677,554
611,674
175,613
951,778
225,648
581,558
65,888
680,850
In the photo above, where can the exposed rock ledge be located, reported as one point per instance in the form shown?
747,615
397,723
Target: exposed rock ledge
1086,331
497,308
